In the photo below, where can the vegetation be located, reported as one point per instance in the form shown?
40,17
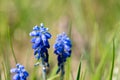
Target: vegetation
92,25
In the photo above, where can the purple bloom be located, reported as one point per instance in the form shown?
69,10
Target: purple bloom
40,43
62,49
20,72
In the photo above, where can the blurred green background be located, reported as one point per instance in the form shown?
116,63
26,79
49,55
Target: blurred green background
93,23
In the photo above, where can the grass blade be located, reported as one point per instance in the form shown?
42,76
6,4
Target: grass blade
53,71
11,46
72,77
68,69
84,75
5,76
113,60
79,70
54,77
0,75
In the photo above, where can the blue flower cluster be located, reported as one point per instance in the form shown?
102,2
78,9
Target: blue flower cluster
40,45
21,73
62,49
40,42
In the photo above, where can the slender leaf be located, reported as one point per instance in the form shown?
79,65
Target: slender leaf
68,63
53,71
0,75
68,69
72,77
5,75
11,46
84,75
113,60
54,77
79,70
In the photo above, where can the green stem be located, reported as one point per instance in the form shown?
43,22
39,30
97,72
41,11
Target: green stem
11,46
44,73
44,70
61,76
62,72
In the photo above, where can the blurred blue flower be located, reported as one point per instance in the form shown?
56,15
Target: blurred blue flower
20,72
62,49
40,42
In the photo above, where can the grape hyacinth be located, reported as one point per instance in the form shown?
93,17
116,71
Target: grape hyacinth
63,50
21,73
40,42
40,46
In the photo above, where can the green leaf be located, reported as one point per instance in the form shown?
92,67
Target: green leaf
68,69
54,77
79,70
11,46
83,74
113,60
53,71
5,76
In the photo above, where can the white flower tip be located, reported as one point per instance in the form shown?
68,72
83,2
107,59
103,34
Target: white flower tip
41,24
29,34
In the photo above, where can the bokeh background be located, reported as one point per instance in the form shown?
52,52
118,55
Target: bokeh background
91,24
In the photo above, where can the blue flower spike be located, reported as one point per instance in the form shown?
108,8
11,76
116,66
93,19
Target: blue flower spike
40,43
20,72
62,48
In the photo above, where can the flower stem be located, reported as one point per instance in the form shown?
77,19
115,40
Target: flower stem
44,70
44,73
61,77
62,72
